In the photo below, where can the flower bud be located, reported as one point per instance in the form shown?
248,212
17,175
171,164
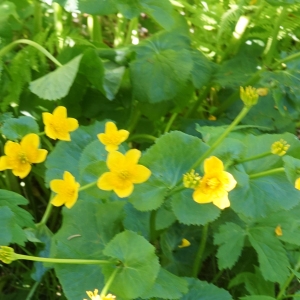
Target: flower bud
249,95
280,148
184,243
191,179
7,254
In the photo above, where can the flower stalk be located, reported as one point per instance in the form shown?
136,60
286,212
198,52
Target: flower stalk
266,173
108,283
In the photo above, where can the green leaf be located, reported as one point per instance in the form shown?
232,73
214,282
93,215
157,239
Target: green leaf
164,218
291,168
167,286
272,257
56,84
189,212
257,297
230,239
15,129
202,290
139,268
172,156
87,228
281,3
162,67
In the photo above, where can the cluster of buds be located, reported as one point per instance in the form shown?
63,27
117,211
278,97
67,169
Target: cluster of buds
7,254
249,95
280,148
191,179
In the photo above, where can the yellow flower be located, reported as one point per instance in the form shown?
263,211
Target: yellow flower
297,184
280,148
262,92
112,137
249,95
66,189
7,254
19,157
215,184
278,230
57,125
95,296
191,179
184,243
212,118
124,172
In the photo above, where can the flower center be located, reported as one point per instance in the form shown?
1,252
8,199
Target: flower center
124,174
70,192
58,125
23,158
213,183
112,139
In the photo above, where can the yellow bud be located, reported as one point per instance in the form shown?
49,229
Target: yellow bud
212,118
7,254
297,184
278,230
249,95
280,148
184,243
262,91
191,179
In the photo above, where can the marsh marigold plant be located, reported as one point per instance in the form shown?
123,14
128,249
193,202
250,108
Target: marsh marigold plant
124,173
57,125
66,189
112,137
20,156
215,184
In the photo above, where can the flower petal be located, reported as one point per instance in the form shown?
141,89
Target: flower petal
124,191
123,135
229,182
5,163
106,181
222,201
110,128
21,170
72,124
115,161
110,148
58,200
29,144
72,200
47,118
213,164
297,183
60,112
201,197
132,156
57,185
40,156
140,174
11,148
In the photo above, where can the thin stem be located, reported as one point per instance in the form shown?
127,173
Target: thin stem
46,213
136,114
10,46
47,142
142,136
37,17
87,186
172,119
62,260
287,283
58,23
108,283
286,59
133,24
199,256
254,157
41,133
32,290
266,173
274,40
97,31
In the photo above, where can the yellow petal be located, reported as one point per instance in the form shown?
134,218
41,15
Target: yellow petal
229,182
115,161
110,147
58,200
297,183
140,174
201,197
57,185
213,164
106,181
222,200
47,118
132,156
5,163
63,135
60,112
123,135
11,148
110,128
71,201
29,144
50,132
69,179
184,243
40,156
21,170
72,124
124,191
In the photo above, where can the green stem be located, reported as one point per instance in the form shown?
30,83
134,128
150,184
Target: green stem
142,136
58,23
94,27
266,173
108,283
10,46
172,119
41,133
119,30
254,157
133,24
62,260
287,283
136,114
274,40
286,60
237,120
87,186
37,17
32,290
46,213
47,142
199,256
